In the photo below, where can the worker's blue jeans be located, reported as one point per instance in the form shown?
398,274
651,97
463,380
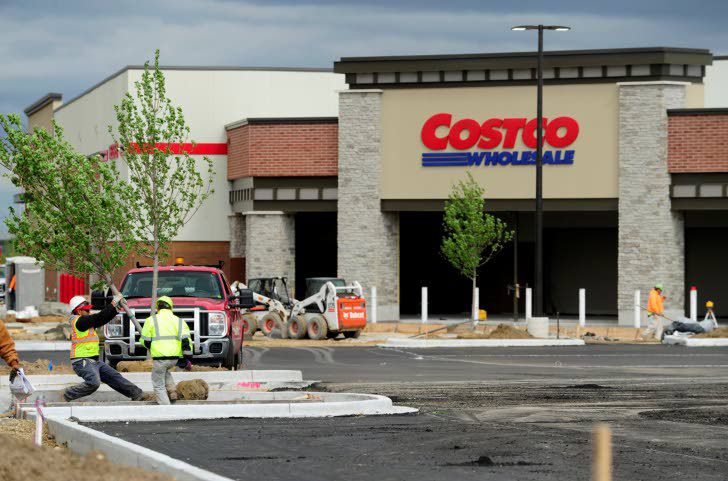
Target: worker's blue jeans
94,373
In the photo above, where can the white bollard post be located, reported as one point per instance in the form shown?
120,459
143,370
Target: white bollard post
373,304
38,428
694,304
476,304
424,305
637,313
582,307
529,305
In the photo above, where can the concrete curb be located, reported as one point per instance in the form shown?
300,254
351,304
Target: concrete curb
692,342
223,378
332,404
424,343
82,440
22,346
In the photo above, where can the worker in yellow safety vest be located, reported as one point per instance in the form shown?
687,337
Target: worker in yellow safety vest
167,337
655,310
85,352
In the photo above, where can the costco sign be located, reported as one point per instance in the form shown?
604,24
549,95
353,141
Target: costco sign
488,143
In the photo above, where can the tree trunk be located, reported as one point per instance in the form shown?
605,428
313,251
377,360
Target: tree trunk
124,305
155,276
472,304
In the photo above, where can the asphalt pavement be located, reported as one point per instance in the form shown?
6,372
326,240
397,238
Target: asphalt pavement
539,364
486,413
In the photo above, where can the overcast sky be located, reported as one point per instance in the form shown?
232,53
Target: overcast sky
68,45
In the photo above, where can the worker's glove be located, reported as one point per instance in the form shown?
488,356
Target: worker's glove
185,363
13,374
116,301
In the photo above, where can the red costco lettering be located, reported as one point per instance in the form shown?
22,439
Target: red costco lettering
439,131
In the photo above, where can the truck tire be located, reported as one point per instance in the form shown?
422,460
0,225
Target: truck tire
270,321
239,359
250,325
352,334
296,327
233,359
317,328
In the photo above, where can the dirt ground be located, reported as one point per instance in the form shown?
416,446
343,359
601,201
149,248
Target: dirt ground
23,461
23,430
146,366
37,319
39,366
503,331
720,332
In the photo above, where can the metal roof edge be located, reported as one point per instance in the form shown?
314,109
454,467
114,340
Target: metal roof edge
280,120
42,102
699,111
191,68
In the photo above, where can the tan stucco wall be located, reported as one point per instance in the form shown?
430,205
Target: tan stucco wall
694,96
593,174
43,117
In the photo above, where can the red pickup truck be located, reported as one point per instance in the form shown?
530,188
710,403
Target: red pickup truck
202,297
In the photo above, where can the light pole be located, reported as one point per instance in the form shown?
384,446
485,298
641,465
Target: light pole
538,271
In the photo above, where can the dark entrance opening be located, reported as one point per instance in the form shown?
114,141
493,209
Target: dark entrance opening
315,248
706,268
580,251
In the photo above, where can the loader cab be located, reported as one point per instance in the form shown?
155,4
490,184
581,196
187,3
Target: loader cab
314,284
272,287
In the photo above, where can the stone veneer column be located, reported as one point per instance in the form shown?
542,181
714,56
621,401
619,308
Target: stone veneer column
270,246
651,236
237,235
368,239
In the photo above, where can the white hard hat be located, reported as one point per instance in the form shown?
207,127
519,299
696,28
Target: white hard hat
75,302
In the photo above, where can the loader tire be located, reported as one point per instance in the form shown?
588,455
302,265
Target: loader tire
250,325
296,327
269,322
352,334
317,328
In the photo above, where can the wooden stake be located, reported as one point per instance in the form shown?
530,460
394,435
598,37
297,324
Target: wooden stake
602,457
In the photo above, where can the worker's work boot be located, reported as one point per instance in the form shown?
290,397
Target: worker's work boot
172,396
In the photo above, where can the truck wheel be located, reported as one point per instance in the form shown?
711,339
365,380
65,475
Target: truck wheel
250,325
231,359
269,322
352,334
296,327
239,359
317,328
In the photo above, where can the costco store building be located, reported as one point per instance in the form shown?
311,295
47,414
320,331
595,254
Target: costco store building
346,172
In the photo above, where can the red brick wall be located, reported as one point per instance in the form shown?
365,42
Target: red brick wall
698,143
283,149
238,152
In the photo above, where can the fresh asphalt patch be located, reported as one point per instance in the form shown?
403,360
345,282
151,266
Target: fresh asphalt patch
513,414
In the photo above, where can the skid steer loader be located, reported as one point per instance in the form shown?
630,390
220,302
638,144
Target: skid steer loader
274,305
332,309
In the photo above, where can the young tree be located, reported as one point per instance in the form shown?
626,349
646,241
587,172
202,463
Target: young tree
75,217
165,187
471,236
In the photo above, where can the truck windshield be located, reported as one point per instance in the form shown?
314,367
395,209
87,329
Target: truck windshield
173,284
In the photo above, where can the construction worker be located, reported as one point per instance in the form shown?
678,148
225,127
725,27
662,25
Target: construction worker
655,310
167,337
11,291
85,352
7,351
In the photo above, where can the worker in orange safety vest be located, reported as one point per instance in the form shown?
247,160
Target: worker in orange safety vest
655,310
